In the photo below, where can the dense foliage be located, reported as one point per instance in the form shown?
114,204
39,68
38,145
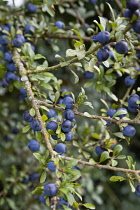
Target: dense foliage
70,105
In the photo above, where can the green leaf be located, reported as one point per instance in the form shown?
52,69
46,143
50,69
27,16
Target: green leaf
121,157
86,154
114,162
78,34
119,134
120,112
32,112
75,77
39,56
47,8
95,135
71,163
26,128
132,186
86,114
89,205
104,156
44,107
104,102
11,203
117,178
88,84
92,161
88,104
70,198
99,25
117,149
37,156
43,177
103,22
62,136
114,19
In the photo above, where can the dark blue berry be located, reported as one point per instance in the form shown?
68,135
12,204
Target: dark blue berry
35,125
27,117
31,7
138,190
59,24
51,166
66,126
34,177
4,84
132,100
34,145
3,40
10,77
50,189
29,29
51,113
69,136
92,1
102,54
133,5
18,40
68,114
68,101
88,74
99,150
52,125
121,47
11,67
127,13
129,81
111,112
8,56
60,148
129,131
42,199
136,26
103,37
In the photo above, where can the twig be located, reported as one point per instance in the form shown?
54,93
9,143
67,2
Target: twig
90,116
27,84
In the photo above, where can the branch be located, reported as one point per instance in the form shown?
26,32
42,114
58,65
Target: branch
30,94
91,116
67,36
27,84
96,165
73,60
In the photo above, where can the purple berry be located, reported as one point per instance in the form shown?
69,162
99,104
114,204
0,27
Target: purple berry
102,55
35,125
27,117
68,114
138,190
34,145
111,112
88,74
129,131
52,125
66,126
50,189
59,24
60,148
31,7
51,166
129,81
133,5
121,47
136,26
